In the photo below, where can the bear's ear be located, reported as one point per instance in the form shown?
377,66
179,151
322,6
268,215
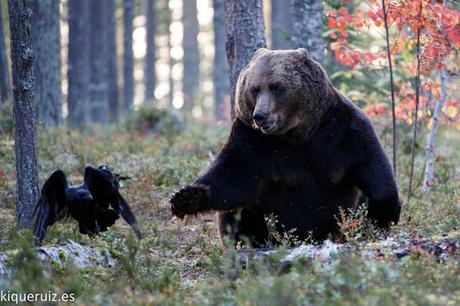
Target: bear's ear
304,54
259,52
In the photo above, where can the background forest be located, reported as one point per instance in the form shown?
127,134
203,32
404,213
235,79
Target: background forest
146,87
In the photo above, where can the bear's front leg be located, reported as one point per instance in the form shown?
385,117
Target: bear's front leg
385,212
190,200
231,182
375,178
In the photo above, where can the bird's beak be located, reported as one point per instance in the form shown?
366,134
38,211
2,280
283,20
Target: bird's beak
88,197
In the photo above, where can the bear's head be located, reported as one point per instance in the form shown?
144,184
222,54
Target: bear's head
282,90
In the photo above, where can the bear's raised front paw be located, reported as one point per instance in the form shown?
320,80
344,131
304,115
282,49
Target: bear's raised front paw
190,200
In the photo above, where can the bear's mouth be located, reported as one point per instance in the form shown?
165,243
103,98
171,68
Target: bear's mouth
269,128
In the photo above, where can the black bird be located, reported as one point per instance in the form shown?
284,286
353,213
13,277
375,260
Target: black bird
87,203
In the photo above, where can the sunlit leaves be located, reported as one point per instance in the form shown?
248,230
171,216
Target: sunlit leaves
439,29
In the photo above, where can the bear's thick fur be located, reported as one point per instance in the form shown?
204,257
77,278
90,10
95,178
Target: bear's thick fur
298,150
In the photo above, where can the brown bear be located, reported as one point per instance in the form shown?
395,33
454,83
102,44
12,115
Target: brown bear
298,150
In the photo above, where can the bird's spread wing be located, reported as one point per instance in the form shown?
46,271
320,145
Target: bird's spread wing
103,186
51,204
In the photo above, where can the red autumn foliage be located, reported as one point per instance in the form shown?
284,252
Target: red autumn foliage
439,37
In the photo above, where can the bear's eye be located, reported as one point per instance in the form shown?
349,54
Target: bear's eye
275,88
255,90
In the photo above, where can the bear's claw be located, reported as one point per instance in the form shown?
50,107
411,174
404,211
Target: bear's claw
190,200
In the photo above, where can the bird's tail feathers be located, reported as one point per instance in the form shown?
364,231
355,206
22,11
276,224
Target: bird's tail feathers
105,218
40,216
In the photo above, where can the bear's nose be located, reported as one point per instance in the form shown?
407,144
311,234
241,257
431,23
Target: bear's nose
259,118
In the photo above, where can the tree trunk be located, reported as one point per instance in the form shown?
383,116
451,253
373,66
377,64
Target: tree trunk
220,72
245,34
171,61
307,27
78,73
191,54
5,86
149,61
429,179
24,110
128,59
46,35
281,25
114,100
99,86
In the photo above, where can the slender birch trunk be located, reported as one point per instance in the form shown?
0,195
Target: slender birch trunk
429,179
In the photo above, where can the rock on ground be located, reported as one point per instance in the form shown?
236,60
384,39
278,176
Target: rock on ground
390,247
82,256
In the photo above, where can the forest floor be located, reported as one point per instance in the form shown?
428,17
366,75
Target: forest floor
182,262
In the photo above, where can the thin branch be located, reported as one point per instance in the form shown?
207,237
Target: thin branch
417,100
389,26
393,113
372,9
396,41
399,14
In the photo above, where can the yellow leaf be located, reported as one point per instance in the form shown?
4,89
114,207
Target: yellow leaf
451,111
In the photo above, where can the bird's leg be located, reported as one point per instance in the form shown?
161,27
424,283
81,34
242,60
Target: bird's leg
98,229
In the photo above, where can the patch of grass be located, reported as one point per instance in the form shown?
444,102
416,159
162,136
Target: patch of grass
182,262
6,117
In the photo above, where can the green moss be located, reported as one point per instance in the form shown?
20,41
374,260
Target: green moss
62,255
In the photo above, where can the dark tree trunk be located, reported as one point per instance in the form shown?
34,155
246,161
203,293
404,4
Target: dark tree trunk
307,26
24,110
128,59
191,54
78,73
5,86
220,73
114,100
46,35
280,25
99,86
149,61
245,34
